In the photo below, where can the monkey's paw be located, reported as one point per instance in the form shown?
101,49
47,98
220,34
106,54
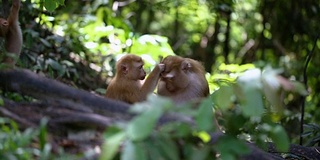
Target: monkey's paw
161,67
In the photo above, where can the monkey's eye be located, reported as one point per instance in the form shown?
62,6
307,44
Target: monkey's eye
166,71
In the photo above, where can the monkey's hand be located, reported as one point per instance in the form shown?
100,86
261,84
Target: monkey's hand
161,67
16,3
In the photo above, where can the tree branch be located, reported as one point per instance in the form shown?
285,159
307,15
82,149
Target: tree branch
28,83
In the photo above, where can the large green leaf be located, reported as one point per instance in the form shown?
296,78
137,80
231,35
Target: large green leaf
50,5
280,138
177,129
248,91
167,147
271,88
111,146
204,117
252,105
43,132
196,153
231,147
133,151
153,150
141,126
223,97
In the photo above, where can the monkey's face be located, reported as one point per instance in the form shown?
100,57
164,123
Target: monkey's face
137,72
175,74
131,67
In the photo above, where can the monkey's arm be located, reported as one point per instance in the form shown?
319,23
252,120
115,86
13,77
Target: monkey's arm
151,81
14,13
13,39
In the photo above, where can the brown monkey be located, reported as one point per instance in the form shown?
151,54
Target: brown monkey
127,84
11,32
183,79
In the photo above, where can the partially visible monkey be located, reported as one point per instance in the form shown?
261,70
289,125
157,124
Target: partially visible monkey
183,79
11,32
127,84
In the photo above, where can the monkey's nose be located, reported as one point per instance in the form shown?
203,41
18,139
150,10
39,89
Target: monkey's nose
168,76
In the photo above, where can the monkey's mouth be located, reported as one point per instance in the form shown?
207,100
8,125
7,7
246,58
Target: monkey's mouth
142,77
170,87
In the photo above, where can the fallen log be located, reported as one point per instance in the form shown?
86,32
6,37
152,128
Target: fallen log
28,83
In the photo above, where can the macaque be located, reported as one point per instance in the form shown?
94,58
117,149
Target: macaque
127,84
182,80
11,32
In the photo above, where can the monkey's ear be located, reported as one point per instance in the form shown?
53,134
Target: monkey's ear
124,68
185,65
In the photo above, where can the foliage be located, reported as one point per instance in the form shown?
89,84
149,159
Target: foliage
313,132
78,42
27,144
142,138
51,5
248,114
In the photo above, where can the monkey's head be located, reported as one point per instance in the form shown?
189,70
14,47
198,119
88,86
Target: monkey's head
177,74
131,67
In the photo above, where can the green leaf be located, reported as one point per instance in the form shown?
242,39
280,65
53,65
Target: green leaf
160,102
45,42
231,146
50,5
248,91
61,2
1,102
111,146
26,137
153,149
223,97
228,156
43,132
234,123
280,138
271,87
57,66
311,126
141,126
168,147
196,153
200,153
306,134
300,88
133,151
204,136
177,129
101,91
234,68
252,105
204,117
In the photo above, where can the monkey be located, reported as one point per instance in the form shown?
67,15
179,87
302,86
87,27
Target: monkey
127,84
182,80
11,32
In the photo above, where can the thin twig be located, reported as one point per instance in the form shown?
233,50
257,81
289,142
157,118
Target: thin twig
305,81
